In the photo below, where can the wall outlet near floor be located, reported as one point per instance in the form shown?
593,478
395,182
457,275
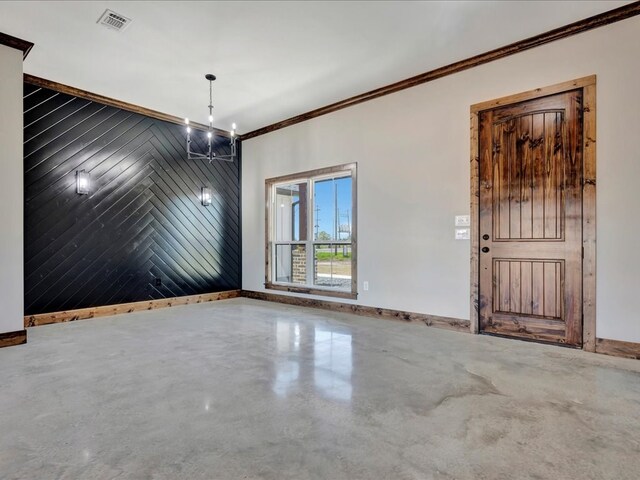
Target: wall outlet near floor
365,286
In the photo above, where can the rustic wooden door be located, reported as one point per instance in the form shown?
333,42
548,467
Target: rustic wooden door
531,219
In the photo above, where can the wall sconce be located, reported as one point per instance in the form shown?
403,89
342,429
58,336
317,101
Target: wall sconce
83,181
205,197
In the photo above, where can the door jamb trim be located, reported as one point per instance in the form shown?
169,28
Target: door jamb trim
588,86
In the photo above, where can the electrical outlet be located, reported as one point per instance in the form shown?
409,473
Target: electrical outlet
158,282
365,286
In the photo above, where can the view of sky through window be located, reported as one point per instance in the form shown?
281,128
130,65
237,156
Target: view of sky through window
332,200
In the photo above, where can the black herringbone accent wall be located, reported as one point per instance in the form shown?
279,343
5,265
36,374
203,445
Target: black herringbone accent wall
142,220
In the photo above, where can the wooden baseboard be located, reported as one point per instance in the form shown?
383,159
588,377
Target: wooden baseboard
93,312
618,348
9,339
604,346
386,313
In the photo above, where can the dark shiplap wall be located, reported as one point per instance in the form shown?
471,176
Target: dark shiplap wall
142,220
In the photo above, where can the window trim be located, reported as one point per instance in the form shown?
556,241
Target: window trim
305,176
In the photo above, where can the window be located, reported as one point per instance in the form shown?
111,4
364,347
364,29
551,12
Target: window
311,232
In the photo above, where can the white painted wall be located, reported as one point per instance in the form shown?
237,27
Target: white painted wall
11,191
412,150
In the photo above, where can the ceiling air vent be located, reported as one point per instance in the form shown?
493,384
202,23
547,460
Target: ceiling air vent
114,20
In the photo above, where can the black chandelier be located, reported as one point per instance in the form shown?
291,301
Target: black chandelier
211,155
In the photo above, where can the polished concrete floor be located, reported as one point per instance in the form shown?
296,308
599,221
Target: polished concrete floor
242,389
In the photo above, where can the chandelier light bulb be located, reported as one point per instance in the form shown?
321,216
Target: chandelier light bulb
186,121
233,126
209,134
188,129
210,118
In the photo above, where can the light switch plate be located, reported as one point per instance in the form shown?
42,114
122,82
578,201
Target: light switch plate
463,221
463,233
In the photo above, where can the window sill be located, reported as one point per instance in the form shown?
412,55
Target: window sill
311,291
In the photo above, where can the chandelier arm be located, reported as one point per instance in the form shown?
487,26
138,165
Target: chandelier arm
197,156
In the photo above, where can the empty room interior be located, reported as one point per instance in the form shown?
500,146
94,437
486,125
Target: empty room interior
319,240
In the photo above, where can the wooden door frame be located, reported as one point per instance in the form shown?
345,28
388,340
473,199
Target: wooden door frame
588,86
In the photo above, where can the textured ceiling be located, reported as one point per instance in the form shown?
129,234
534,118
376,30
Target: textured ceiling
273,60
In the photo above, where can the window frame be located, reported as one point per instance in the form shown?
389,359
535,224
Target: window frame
311,176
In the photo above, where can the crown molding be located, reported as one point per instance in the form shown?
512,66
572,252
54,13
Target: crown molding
112,102
16,43
600,20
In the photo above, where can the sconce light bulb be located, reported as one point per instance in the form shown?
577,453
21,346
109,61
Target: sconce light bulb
205,198
83,182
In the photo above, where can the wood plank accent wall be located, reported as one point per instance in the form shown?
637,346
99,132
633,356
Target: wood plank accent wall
95,312
143,218
600,20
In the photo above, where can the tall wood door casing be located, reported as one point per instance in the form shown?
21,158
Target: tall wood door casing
531,219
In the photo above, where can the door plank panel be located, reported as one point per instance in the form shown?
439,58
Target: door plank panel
524,152
502,181
514,282
504,286
537,286
537,187
526,273
548,180
514,165
549,290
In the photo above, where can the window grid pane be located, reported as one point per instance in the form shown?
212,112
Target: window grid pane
291,263
332,265
332,209
290,203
